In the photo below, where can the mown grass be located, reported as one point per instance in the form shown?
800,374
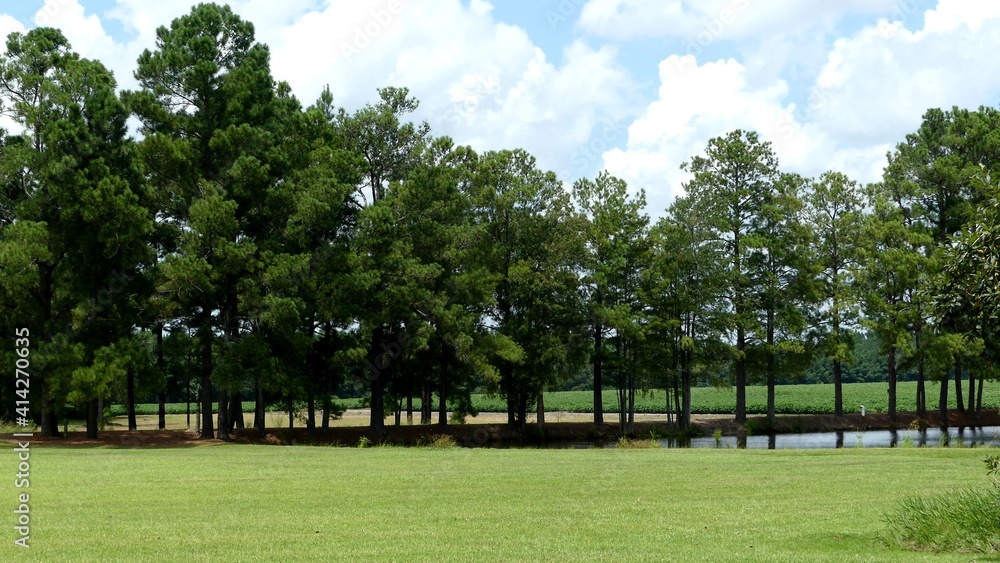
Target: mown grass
267,503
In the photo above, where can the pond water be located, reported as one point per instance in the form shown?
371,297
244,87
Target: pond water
968,437
931,437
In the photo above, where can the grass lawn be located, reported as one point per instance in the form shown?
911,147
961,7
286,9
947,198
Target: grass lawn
269,503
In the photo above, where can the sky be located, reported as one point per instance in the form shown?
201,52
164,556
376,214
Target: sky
634,87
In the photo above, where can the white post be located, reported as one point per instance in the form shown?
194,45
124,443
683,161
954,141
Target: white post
862,410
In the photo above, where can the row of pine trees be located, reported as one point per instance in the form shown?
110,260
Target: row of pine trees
251,249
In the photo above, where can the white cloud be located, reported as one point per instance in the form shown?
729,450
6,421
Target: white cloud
696,103
876,84
871,91
481,81
8,25
709,20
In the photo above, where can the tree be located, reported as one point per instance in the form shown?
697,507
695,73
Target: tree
931,177
786,289
732,183
615,233
888,279
77,228
684,299
969,283
532,248
211,115
834,208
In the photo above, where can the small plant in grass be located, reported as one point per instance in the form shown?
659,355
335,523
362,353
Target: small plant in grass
965,521
631,444
717,434
907,442
441,441
364,442
993,468
944,440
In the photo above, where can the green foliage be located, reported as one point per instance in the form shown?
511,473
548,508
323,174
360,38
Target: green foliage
967,520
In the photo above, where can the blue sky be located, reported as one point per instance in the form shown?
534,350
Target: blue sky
636,87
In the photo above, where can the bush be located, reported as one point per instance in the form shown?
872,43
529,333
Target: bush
441,441
968,520
627,443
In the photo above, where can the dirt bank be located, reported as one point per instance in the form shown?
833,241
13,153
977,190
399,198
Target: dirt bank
496,433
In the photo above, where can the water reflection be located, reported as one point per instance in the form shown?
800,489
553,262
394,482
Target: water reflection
964,436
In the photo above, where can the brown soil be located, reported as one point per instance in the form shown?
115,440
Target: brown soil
486,434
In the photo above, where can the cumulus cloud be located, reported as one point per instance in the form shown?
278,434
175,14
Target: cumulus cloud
870,92
877,83
718,19
696,103
482,81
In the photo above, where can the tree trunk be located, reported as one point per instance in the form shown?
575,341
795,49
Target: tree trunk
291,414
377,358
130,398
741,375
971,410
631,390
979,398
943,401
49,419
891,365
377,421
258,408
770,369
522,410
311,412
838,388
409,408
540,409
327,400
161,421
598,379
92,419
160,364
223,422
207,423
236,411
959,400
921,390
507,380
684,416
425,403
443,392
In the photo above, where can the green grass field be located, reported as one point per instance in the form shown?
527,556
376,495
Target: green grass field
268,503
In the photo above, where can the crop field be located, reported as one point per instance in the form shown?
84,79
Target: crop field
267,503
789,399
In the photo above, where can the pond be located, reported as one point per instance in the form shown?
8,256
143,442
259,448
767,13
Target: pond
931,437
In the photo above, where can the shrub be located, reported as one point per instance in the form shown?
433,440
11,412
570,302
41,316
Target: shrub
627,443
441,441
967,520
